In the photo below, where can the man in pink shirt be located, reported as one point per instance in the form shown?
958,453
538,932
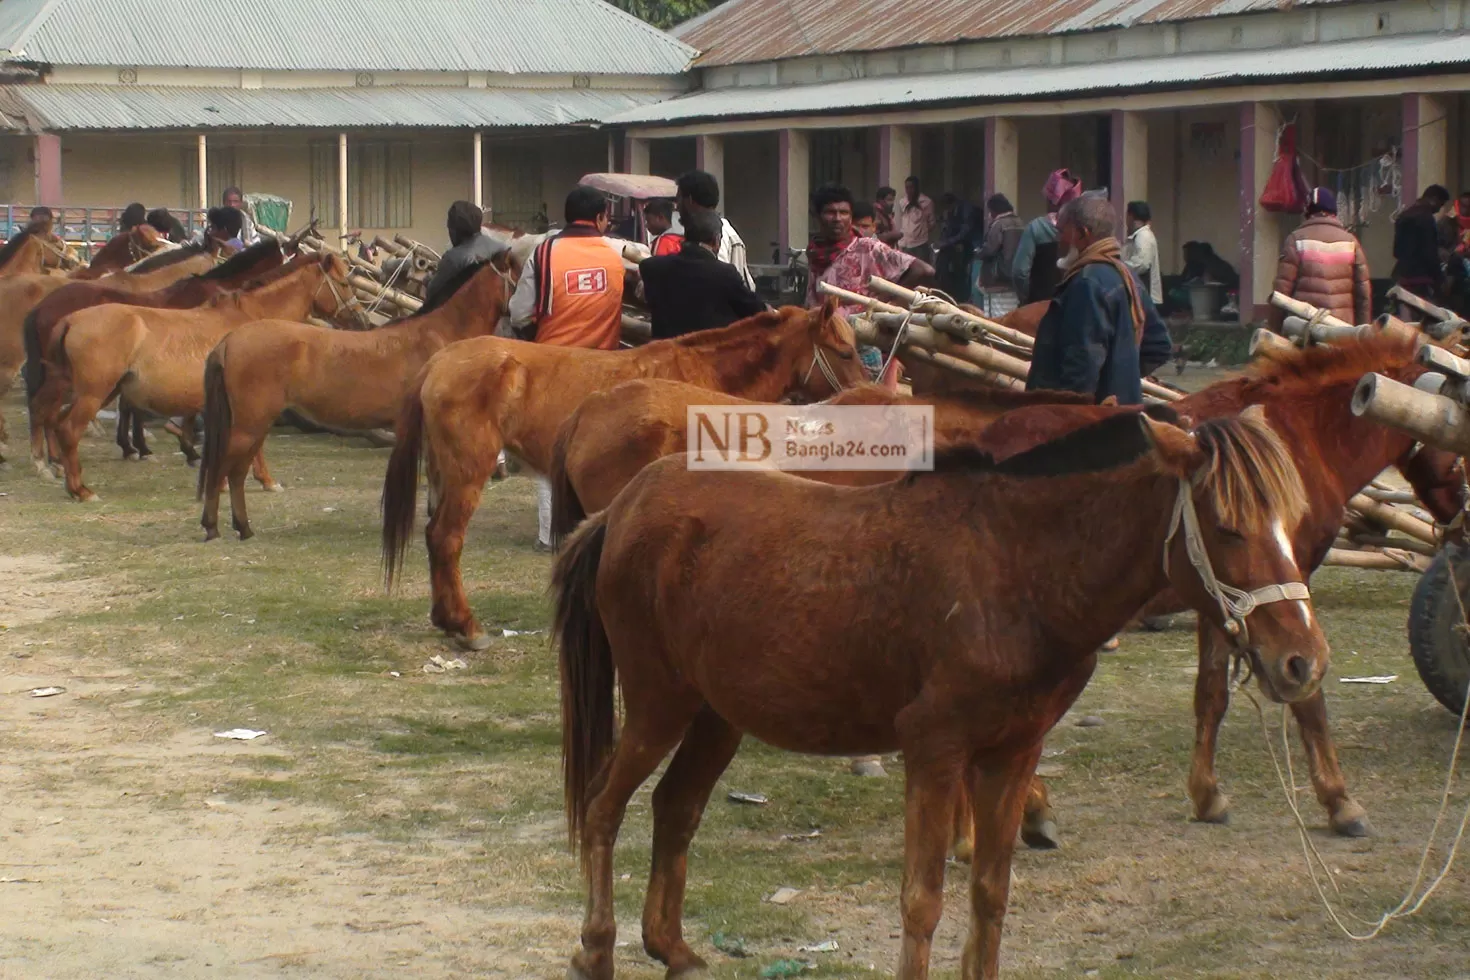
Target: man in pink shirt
913,218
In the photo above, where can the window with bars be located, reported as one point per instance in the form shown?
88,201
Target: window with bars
379,183
223,171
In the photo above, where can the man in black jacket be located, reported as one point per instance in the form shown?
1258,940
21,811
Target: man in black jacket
692,289
1417,266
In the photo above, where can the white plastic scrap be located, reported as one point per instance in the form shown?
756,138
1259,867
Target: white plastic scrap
438,665
46,692
829,946
1380,679
240,734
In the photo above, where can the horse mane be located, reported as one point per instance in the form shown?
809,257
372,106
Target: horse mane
1306,372
1115,441
1249,472
454,285
245,260
8,250
168,257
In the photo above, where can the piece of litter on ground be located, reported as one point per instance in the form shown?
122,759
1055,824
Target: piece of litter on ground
1049,770
828,946
754,799
329,510
809,835
438,665
240,734
394,673
787,968
46,692
783,896
20,881
1089,721
521,632
1380,679
730,945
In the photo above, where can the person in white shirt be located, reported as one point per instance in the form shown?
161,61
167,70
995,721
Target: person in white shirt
699,191
234,199
1142,252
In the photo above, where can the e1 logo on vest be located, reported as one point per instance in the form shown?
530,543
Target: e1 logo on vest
582,282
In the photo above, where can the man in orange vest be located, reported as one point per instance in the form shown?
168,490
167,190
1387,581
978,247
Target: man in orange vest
570,294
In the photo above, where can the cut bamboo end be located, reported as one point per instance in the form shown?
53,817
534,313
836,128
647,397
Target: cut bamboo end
1432,419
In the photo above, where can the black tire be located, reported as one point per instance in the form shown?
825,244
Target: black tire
1437,637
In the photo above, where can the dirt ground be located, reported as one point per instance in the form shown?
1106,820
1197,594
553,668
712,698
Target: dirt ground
396,822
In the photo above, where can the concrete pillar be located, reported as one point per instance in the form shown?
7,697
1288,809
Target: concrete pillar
709,156
949,163
1426,144
1129,163
342,188
1002,159
612,153
48,169
479,165
203,172
1260,230
895,156
795,187
635,155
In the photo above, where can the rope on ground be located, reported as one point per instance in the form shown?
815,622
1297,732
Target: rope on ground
1410,905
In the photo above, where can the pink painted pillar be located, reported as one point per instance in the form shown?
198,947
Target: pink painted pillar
48,169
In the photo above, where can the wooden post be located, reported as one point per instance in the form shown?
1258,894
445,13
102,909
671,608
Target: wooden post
479,171
342,188
203,172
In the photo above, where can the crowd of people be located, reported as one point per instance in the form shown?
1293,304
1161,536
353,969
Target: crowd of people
229,223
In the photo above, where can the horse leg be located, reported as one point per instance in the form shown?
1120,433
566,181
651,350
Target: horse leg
140,435
445,534
647,736
124,430
963,837
930,792
1211,698
46,411
239,469
1038,825
1343,813
69,433
186,440
261,472
999,791
678,804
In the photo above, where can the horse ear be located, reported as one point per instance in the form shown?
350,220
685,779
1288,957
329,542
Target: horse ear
824,316
1111,400
1177,450
1256,413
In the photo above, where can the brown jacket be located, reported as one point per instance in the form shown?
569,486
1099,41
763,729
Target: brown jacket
1323,264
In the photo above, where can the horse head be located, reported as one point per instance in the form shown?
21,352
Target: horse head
834,364
335,294
1229,552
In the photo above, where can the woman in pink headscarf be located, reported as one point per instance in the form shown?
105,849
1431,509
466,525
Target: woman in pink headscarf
1035,272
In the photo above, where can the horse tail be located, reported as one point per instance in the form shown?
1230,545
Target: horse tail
566,507
35,367
218,420
588,713
401,483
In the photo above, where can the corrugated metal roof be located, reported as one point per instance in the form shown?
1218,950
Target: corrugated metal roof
1403,54
539,36
110,107
767,30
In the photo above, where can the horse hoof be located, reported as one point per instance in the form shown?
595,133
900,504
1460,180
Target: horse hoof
131,457
475,644
1111,645
698,968
44,471
1042,837
246,534
1218,812
90,498
580,970
58,472
274,488
963,851
211,534
871,768
1351,820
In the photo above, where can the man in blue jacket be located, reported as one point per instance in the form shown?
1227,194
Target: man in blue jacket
1102,335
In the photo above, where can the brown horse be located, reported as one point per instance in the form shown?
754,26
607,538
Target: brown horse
123,250
24,254
342,379
41,322
480,395
720,604
155,357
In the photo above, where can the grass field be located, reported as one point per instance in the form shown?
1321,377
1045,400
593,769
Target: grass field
401,823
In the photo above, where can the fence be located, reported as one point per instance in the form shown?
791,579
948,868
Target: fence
86,228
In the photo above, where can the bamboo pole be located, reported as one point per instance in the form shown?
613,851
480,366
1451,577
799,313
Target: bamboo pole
932,340
403,301
1392,560
1383,496
1304,331
1263,340
994,379
934,304
1432,419
1441,360
1394,518
892,322
1423,305
1403,544
392,248
1305,310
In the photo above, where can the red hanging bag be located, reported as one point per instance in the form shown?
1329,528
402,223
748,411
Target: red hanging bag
1286,190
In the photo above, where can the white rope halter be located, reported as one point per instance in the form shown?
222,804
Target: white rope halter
1235,604
819,360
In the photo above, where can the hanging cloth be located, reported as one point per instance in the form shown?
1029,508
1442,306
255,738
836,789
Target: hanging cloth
1286,190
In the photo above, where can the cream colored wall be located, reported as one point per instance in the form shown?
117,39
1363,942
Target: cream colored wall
1207,196
751,195
1040,150
1164,160
17,169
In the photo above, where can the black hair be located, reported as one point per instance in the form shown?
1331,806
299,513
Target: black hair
700,187
229,220
585,204
661,207
999,204
163,220
863,209
232,189
702,228
829,194
885,191
1140,211
132,216
167,257
1437,192
911,177
41,211
464,221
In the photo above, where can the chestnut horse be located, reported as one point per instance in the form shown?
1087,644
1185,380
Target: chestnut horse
155,357
24,254
723,603
480,395
342,379
123,250
40,323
